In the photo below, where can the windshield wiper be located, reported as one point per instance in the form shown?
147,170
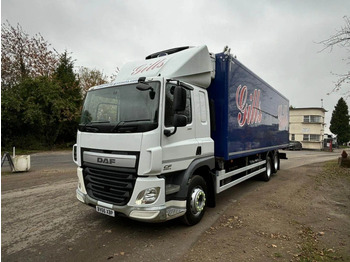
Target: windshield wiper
90,126
122,123
91,129
116,127
99,122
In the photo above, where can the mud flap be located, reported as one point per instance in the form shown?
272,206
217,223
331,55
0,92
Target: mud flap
282,155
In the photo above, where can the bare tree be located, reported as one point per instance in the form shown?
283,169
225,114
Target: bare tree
340,38
24,56
93,77
89,78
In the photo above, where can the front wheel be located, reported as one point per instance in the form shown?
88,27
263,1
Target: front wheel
196,201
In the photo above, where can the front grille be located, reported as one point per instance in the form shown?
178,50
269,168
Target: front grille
110,186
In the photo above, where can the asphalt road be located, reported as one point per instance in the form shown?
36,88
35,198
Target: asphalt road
41,219
48,160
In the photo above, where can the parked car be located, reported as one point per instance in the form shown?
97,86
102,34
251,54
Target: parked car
295,145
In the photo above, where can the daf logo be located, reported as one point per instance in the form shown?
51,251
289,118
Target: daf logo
113,160
109,161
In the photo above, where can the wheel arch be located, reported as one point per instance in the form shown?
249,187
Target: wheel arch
201,167
209,178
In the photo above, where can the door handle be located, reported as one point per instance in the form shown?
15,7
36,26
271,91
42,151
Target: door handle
199,151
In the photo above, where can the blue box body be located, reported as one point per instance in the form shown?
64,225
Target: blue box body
250,116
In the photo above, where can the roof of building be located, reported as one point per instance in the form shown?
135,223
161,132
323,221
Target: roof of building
311,108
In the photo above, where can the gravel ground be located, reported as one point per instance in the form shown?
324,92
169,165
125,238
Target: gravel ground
303,215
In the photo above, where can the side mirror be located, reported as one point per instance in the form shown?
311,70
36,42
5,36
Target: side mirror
179,120
144,87
179,103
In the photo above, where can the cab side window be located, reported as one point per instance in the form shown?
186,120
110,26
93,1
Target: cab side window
169,112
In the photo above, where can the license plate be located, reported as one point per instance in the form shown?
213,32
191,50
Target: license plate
105,211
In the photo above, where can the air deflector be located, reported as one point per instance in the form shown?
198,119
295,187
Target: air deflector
167,52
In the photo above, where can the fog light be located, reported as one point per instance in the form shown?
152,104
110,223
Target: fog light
148,196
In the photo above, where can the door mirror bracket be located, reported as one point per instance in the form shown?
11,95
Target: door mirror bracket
178,121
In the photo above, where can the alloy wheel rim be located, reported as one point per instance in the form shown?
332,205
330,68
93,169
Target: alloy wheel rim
198,199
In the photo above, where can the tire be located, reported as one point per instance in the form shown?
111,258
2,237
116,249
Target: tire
268,172
276,162
196,201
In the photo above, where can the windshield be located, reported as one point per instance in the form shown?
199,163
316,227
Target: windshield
123,109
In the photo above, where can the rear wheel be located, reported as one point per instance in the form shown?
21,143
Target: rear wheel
267,174
196,201
276,162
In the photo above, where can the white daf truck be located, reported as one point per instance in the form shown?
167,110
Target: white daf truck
173,131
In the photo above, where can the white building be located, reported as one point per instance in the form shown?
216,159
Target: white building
306,125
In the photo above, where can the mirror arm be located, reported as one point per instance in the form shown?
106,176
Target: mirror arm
179,83
168,133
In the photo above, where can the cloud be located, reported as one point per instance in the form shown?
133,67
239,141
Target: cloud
276,39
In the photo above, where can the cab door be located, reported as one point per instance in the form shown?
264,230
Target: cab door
180,148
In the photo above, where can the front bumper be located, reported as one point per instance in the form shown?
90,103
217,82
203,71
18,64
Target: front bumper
157,211
167,211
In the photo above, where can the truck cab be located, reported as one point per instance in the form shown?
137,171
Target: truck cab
143,140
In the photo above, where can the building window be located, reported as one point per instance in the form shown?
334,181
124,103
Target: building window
312,119
311,137
292,137
314,137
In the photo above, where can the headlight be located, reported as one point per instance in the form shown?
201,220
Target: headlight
148,196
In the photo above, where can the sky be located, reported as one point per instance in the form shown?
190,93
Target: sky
277,39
